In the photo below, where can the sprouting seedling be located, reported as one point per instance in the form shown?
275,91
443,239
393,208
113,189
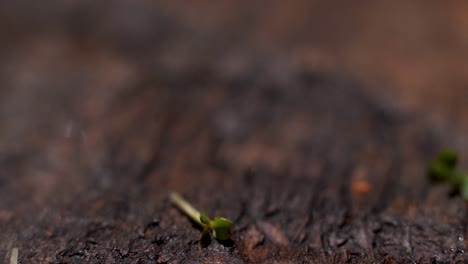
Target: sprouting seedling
444,169
219,227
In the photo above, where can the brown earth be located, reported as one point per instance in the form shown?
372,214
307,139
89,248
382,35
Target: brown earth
309,124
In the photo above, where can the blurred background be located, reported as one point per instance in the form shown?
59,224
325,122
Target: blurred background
414,52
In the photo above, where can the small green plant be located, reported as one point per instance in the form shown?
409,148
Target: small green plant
444,169
219,227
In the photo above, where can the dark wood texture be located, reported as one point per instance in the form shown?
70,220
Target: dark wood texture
309,125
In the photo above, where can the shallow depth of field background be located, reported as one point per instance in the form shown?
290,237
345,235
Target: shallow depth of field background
413,52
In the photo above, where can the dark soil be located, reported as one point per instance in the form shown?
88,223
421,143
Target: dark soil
103,115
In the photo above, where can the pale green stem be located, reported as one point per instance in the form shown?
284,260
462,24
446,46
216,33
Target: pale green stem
14,256
183,205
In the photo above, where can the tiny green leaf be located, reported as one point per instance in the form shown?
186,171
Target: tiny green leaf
444,169
464,187
204,219
439,172
221,228
457,179
448,158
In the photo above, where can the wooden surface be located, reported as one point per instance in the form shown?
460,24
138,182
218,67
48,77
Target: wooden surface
309,125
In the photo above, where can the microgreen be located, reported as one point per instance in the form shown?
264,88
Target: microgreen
444,169
219,227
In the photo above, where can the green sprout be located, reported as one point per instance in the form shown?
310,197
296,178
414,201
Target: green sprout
444,169
219,227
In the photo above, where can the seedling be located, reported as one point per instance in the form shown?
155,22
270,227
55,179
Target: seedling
219,227
444,169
